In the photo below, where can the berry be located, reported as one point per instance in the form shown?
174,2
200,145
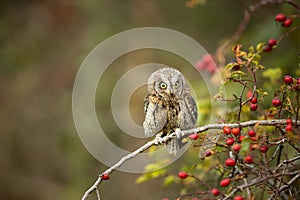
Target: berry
229,162
253,100
249,94
236,147
254,138
267,48
253,107
194,136
251,133
289,128
252,147
298,81
241,138
182,175
248,159
215,191
287,23
263,148
207,153
280,17
207,64
272,42
105,176
276,101
288,79
236,67
225,182
226,130
230,141
238,197
288,121
235,131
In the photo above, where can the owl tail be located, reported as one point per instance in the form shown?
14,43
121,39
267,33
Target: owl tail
173,146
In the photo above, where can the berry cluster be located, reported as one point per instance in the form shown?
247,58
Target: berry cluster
291,87
207,64
285,21
271,43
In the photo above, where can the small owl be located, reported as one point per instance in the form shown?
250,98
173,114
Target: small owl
169,106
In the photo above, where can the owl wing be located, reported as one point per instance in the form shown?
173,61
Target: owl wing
155,115
189,112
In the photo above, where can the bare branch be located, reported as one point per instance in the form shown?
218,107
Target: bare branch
185,133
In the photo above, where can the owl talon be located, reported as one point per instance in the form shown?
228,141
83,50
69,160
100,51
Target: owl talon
158,139
178,133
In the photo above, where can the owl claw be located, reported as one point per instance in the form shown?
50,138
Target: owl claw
158,139
178,133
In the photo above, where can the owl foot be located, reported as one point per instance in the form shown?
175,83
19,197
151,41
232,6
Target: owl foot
178,133
158,139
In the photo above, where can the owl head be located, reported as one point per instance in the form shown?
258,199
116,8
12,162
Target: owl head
167,81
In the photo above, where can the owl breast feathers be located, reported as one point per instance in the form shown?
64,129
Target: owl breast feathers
168,106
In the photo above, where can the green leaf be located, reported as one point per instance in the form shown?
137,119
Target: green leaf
259,46
273,74
237,74
229,66
251,49
169,179
245,145
143,178
257,57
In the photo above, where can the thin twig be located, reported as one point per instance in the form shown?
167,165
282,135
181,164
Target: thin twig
242,26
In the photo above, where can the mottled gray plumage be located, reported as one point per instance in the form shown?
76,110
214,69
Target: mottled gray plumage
168,106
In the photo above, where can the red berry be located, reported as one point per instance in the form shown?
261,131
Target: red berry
298,81
207,153
229,162
272,42
287,23
288,79
267,48
194,136
182,175
236,147
235,131
238,198
225,182
251,133
236,67
280,17
230,141
253,100
289,121
249,94
253,107
215,191
105,176
226,130
263,148
248,159
276,101
254,138
289,128
252,147
241,138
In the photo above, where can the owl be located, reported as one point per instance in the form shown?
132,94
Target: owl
169,106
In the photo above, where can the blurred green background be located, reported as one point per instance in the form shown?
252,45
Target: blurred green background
42,44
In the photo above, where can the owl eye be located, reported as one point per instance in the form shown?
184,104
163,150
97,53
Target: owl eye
163,85
176,85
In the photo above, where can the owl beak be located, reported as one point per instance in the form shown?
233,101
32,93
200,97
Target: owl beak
169,91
